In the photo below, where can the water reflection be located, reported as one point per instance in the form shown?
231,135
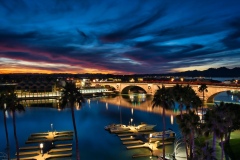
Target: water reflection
133,101
138,98
106,106
172,119
138,102
227,98
52,103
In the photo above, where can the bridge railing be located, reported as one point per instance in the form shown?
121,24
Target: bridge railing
181,82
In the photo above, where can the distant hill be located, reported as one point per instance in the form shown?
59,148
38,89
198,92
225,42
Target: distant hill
211,72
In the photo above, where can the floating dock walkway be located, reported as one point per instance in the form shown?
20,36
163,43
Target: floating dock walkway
134,142
133,138
141,155
49,149
50,136
151,146
134,134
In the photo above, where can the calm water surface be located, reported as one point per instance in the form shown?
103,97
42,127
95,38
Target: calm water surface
94,141
226,98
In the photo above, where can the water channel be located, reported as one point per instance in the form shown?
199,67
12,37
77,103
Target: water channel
94,141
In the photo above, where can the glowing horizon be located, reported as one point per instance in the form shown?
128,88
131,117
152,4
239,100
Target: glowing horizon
120,37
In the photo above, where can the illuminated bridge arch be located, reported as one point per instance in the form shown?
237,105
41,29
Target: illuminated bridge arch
213,91
133,89
151,88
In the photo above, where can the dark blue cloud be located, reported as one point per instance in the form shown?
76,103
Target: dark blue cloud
119,36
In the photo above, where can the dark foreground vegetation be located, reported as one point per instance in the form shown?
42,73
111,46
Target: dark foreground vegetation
201,136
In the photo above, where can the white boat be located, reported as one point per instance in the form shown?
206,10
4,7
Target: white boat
144,127
156,136
111,126
119,129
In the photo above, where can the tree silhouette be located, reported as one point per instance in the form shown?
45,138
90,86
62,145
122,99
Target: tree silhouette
162,98
70,97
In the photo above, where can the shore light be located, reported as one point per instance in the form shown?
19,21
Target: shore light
131,121
150,136
41,148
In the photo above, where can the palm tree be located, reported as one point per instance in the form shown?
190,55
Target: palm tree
162,98
191,99
194,126
216,122
211,126
185,95
3,108
177,92
196,102
189,126
202,89
204,151
233,112
71,96
13,105
225,127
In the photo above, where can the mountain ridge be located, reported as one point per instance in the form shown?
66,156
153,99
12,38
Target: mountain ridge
211,72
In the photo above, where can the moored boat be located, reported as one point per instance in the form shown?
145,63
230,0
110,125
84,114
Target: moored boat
156,136
119,129
111,126
144,127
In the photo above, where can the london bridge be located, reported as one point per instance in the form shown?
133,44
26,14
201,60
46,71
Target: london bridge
124,87
150,88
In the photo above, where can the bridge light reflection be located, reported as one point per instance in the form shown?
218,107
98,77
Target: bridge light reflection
106,106
137,98
171,119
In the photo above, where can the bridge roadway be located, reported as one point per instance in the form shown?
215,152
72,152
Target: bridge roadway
150,88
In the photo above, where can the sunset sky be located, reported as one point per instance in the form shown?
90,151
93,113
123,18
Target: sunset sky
118,37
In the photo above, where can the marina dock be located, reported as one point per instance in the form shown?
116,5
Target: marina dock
47,148
134,139
131,129
134,134
127,138
133,142
141,155
50,136
151,146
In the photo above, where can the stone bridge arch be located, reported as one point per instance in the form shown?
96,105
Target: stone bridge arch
213,90
133,89
124,88
211,98
151,88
